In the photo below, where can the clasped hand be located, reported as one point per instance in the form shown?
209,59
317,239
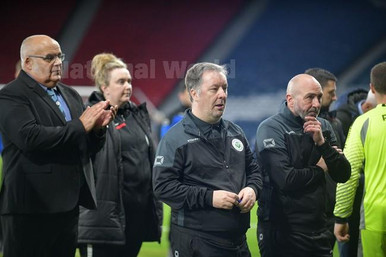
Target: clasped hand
98,115
227,200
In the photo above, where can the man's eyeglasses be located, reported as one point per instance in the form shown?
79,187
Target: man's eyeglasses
49,57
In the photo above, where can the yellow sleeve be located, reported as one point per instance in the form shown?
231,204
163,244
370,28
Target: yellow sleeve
354,152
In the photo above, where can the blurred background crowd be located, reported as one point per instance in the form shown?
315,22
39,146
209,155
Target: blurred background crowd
264,43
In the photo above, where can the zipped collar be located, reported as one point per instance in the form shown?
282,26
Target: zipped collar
289,116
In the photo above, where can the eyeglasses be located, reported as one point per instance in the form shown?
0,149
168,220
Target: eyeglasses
50,57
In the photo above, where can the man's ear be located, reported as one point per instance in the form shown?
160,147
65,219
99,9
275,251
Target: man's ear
28,62
290,100
193,94
372,88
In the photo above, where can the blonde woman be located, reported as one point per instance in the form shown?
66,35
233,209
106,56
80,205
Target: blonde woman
127,212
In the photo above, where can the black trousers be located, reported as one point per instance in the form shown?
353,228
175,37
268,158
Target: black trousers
276,243
188,243
40,235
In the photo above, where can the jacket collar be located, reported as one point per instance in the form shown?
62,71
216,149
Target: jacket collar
37,88
191,128
289,116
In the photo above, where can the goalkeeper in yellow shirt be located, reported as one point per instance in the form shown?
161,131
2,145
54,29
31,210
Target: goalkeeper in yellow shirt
366,147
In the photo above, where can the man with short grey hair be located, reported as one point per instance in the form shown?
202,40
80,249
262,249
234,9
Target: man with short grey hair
205,170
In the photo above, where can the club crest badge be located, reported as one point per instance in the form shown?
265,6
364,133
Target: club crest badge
237,145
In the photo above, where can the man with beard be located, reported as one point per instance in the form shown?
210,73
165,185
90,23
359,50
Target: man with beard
296,149
205,171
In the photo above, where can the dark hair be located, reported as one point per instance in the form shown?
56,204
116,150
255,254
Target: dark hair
321,75
378,77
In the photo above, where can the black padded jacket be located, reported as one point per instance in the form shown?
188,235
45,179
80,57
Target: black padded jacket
106,224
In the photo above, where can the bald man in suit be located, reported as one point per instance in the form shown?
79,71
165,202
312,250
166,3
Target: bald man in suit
48,138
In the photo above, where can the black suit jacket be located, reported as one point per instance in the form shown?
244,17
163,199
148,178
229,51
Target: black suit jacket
45,159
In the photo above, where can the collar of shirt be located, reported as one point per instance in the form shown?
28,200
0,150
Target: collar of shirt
206,128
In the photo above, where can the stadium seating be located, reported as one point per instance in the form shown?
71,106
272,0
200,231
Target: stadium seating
158,39
363,79
291,36
20,19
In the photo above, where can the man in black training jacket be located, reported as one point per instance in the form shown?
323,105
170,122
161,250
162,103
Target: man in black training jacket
205,170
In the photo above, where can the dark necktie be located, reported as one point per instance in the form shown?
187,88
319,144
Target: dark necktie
55,98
